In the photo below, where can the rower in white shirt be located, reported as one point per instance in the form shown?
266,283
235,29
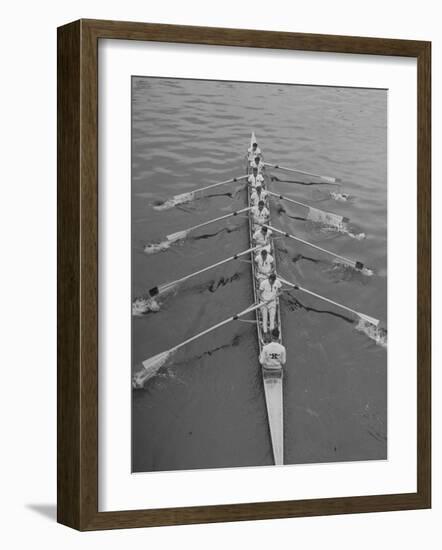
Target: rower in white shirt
259,194
260,214
273,355
261,237
264,264
255,178
269,291
253,151
258,163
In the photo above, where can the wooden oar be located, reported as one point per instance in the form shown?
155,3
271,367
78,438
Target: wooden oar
356,264
163,288
151,365
316,214
179,235
362,316
328,179
189,196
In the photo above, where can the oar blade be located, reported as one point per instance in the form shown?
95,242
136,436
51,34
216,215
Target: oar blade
151,367
329,179
178,236
324,217
175,201
368,319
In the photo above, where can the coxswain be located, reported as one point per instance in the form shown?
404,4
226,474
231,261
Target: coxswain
253,151
258,163
260,214
261,237
273,354
264,264
259,194
269,291
255,178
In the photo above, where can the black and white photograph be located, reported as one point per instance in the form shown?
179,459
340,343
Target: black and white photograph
259,274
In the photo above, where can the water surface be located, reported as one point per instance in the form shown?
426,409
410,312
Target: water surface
206,409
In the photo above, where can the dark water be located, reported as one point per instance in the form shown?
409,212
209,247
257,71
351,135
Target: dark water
206,409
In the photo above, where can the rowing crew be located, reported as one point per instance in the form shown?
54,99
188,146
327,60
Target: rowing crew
273,354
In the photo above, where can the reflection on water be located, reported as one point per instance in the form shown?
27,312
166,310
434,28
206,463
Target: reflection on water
205,408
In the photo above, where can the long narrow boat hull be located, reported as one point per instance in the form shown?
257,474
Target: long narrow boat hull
272,379
274,400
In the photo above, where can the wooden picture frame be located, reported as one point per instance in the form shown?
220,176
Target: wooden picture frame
78,274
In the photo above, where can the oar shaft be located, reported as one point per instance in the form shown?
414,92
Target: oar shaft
231,180
337,218
288,199
208,268
219,219
346,260
214,327
324,298
215,220
320,297
327,178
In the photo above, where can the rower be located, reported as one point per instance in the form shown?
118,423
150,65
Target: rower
260,214
269,291
258,163
264,264
273,355
262,237
255,178
253,151
259,194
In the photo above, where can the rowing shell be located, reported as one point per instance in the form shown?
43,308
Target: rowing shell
272,379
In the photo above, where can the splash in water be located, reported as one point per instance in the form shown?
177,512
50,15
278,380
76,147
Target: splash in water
154,248
174,201
150,367
345,268
341,197
378,334
344,228
141,306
